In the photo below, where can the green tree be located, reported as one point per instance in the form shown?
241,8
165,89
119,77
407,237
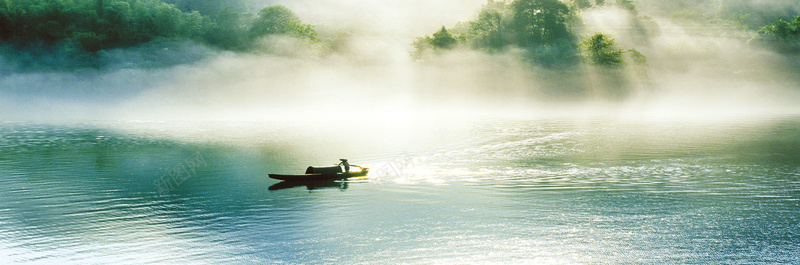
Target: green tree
209,7
94,25
443,39
489,31
6,30
537,22
582,3
228,30
116,24
421,47
99,8
166,20
539,27
279,20
781,29
602,50
627,4
639,62
637,57
542,28
781,35
89,41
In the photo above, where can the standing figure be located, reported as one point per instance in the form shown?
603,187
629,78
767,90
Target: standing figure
345,164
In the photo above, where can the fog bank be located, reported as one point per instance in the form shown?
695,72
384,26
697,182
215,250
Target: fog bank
371,76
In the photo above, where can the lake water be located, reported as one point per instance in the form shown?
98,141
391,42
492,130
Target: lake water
507,191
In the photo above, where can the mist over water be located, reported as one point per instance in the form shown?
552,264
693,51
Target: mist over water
524,191
692,159
370,71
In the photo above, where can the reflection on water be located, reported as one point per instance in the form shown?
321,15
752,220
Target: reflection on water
534,191
311,185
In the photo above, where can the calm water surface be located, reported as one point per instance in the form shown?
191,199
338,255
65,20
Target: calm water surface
490,191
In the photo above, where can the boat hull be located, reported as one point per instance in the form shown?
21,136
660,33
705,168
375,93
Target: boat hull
318,176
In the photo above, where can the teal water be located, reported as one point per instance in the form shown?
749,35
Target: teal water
539,191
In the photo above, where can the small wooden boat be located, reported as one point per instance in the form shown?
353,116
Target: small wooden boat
341,171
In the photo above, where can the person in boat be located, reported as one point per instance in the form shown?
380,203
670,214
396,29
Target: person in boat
345,164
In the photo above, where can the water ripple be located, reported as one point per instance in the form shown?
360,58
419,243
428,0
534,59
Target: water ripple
513,192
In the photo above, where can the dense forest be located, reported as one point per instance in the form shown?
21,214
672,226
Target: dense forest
781,35
544,29
580,59
94,25
549,32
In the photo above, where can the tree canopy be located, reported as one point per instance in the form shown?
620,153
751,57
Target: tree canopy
541,27
94,25
602,50
443,39
537,22
488,32
279,20
781,35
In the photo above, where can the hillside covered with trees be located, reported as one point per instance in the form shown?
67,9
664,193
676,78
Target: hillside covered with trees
551,32
561,38
781,35
544,29
95,25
